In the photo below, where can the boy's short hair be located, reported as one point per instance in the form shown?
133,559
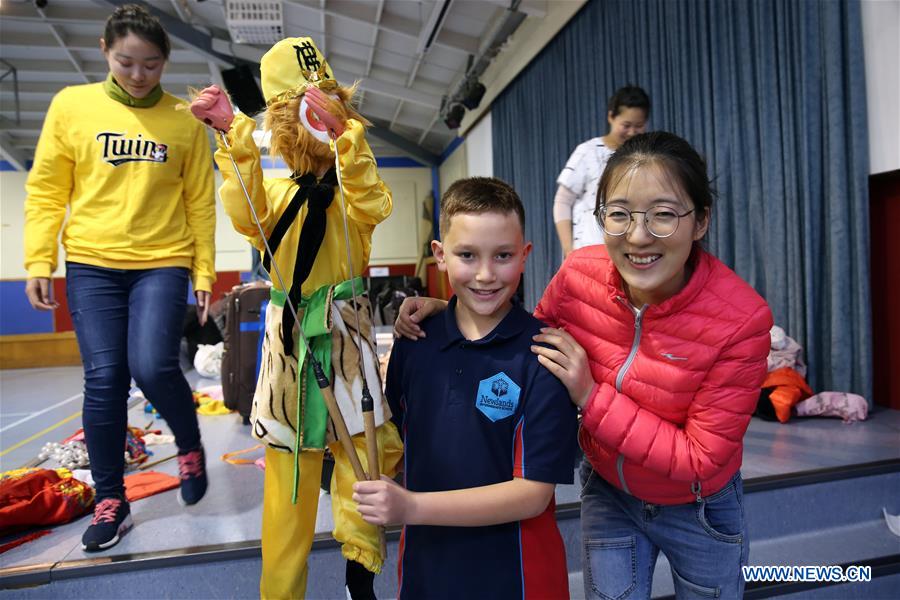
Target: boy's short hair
480,195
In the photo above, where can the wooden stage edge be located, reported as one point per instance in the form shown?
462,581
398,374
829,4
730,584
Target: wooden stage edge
39,350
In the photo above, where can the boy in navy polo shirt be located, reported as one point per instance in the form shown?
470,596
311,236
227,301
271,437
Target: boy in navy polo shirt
488,431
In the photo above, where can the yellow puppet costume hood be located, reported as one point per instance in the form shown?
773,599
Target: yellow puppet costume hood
291,66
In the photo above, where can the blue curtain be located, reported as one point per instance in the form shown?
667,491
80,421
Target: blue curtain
772,92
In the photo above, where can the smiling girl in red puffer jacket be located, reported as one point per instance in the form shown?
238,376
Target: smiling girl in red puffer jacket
663,348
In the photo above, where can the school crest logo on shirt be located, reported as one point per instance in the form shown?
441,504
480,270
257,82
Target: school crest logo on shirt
497,397
118,149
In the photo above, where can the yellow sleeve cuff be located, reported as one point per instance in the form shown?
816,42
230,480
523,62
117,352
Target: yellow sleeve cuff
39,270
203,283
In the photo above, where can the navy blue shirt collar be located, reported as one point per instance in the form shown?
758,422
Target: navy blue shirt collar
512,325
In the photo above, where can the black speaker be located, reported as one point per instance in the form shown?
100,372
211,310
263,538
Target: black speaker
241,86
473,94
454,116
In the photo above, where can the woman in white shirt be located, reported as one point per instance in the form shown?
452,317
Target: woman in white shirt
576,197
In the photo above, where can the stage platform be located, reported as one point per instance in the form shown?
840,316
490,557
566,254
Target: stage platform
801,479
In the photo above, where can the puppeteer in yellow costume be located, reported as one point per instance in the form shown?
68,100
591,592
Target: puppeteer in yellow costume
303,221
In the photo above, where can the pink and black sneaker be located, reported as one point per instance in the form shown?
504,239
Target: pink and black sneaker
112,518
192,470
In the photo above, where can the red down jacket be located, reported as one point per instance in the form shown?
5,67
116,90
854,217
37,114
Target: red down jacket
677,381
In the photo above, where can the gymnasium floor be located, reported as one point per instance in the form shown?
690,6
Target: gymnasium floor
41,405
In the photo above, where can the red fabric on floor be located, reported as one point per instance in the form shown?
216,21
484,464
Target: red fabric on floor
41,497
28,537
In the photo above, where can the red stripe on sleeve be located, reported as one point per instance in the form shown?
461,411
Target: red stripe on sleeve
544,557
519,451
400,561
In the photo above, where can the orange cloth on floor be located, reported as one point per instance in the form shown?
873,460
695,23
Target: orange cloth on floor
148,483
789,389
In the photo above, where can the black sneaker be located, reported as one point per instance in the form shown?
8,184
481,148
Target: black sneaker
112,518
192,470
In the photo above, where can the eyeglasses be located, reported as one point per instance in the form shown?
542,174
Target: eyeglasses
660,221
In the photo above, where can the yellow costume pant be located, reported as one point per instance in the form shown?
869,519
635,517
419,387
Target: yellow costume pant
288,529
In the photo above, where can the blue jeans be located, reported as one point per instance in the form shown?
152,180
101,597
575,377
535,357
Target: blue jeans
129,324
706,542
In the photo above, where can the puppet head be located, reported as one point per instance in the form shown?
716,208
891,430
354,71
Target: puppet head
288,69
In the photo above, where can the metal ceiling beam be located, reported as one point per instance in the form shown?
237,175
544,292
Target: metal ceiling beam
375,30
31,89
11,76
98,68
381,114
27,107
59,39
181,9
427,37
58,13
404,145
350,69
197,40
396,114
371,57
323,43
19,45
429,33
184,13
13,155
392,90
428,129
394,24
532,8
23,126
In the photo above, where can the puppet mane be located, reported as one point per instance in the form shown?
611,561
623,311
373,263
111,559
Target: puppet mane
292,142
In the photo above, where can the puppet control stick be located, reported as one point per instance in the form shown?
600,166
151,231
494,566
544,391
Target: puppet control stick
366,402
322,381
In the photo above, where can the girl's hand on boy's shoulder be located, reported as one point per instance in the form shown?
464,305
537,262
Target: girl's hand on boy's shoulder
567,360
383,502
413,311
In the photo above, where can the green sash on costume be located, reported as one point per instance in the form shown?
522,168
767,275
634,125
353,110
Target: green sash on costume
312,415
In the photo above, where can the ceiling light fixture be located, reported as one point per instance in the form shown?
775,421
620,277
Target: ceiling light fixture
469,92
473,93
453,114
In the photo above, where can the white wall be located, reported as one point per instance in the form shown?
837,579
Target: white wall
396,240
400,237
480,148
881,42
474,157
12,221
454,167
232,250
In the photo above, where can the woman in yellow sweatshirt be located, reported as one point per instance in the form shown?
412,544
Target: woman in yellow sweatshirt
136,177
